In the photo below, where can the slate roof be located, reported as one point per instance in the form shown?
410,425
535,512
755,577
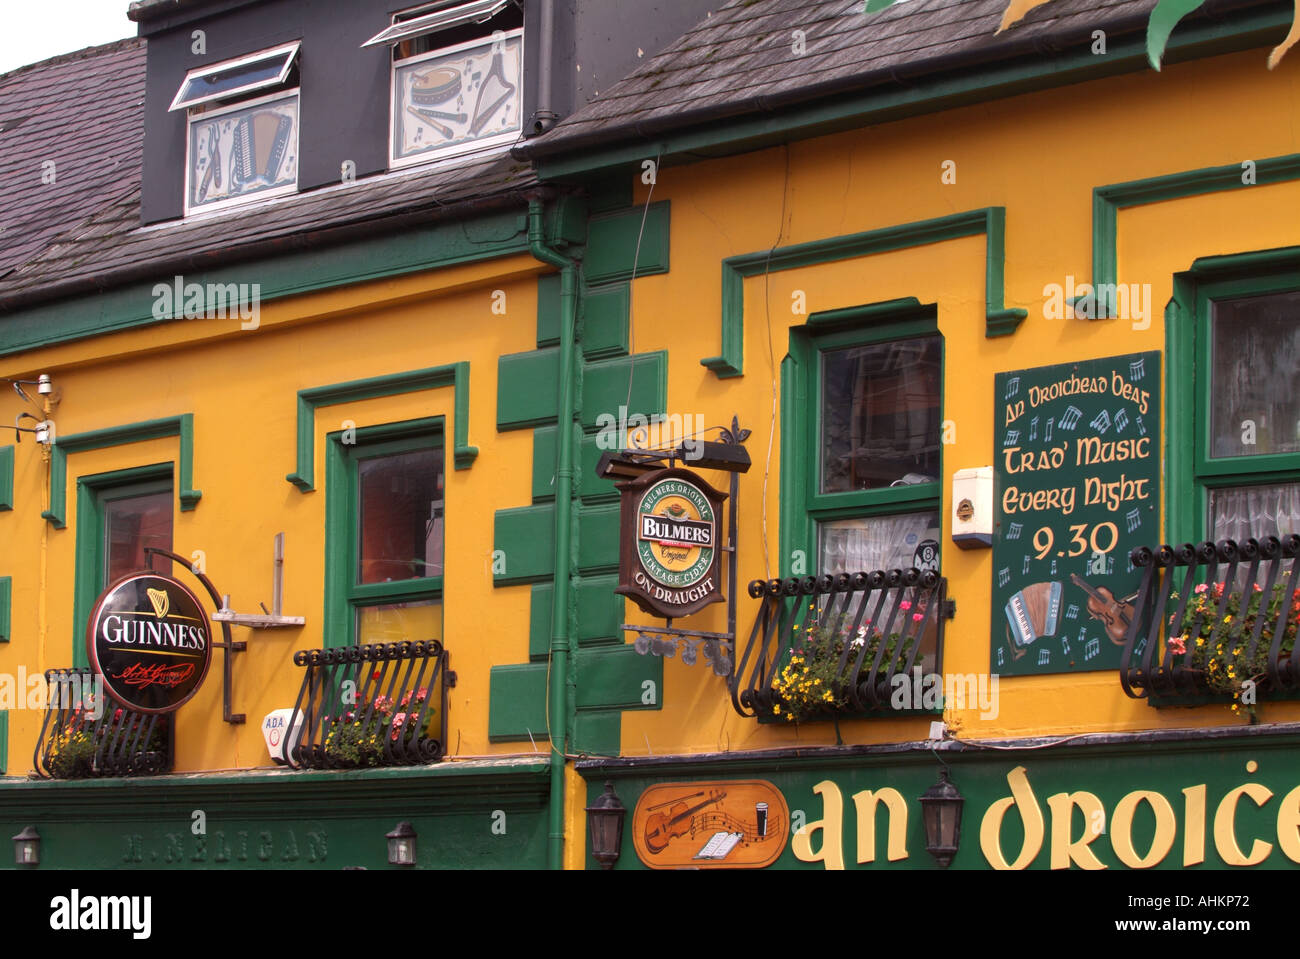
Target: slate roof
83,233
740,61
82,111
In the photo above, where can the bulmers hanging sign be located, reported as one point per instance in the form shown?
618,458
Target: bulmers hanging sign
670,542
150,640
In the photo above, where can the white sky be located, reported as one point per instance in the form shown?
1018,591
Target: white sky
36,30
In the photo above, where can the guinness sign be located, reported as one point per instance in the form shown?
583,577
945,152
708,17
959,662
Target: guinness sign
150,640
670,543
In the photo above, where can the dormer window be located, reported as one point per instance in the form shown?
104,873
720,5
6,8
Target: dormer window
457,78
242,136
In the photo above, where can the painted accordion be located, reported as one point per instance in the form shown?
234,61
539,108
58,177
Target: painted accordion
260,142
1034,612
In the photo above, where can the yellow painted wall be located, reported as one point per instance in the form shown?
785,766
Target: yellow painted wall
1038,155
241,387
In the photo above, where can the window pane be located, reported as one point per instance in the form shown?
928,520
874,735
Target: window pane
400,621
877,542
880,415
401,516
242,152
458,101
130,525
1257,511
1254,406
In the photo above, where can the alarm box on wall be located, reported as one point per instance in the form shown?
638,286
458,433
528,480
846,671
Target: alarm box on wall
972,507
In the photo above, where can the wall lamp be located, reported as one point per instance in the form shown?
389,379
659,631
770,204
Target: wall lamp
941,812
401,845
27,847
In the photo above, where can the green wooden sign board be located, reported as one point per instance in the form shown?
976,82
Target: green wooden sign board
1075,488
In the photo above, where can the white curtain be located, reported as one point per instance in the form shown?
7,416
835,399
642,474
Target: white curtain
880,542
1257,511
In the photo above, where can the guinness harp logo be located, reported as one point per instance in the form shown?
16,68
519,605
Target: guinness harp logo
158,599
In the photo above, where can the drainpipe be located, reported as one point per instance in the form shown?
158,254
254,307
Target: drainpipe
558,694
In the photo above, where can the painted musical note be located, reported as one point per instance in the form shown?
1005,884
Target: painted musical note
1013,387
1004,576
1053,567
1047,433
1014,530
1000,656
1091,648
1142,645
1121,420
1025,568
1137,369
1133,519
1065,644
1012,438
1072,612
1101,423
1033,429
1070,418
1142,429
1044,656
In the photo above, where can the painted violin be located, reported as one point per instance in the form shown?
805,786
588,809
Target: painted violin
676,821
1115,614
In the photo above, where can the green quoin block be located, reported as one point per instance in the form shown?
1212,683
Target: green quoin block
525,539
598,732
605,321
619,678
591,487
605,386
527,387
598,538
600,610
540,607
612,244
6,603
546,457
548,310
517,702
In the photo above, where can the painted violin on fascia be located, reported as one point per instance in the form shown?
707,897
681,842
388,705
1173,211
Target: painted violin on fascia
676,821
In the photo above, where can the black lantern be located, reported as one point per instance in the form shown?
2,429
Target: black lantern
27,847
941,812
605,824
401,845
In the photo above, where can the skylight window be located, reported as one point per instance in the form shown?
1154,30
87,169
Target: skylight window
441,16
236,78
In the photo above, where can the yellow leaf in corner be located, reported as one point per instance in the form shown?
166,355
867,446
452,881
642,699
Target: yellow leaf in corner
1016,10
1280,50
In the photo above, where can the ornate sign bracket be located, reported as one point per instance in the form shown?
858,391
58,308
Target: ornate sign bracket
228,647
727,455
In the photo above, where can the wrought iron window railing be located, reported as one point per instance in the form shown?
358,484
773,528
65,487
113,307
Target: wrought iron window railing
1214,621
383,704
81,737
824,646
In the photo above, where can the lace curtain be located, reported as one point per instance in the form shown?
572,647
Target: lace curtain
1256,511
880,542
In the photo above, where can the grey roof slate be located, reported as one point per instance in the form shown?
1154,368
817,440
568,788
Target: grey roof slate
740,60
82,233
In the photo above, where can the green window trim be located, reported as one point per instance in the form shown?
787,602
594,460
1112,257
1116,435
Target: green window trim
181,426
455,375
989,222
6,478
88,576
1109,199
803,506
1189,473
342,520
